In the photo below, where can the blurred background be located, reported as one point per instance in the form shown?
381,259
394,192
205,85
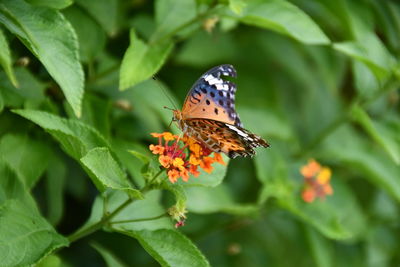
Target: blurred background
318,79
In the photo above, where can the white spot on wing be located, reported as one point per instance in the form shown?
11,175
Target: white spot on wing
214,81
221,86
238,131
209,77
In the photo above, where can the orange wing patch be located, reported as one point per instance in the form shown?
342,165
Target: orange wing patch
204,107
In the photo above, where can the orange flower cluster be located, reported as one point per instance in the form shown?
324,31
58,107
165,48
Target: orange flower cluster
316,180
183,156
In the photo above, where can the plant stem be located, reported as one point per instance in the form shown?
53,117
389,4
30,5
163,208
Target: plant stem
97,226
141,220
107,217
154,178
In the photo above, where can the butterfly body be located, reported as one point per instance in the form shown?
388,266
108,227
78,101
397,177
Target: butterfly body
209,116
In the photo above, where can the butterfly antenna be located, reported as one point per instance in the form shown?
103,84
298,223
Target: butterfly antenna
165,93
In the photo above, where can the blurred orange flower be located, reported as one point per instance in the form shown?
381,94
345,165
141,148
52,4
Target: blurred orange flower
183,156
157,149
316,181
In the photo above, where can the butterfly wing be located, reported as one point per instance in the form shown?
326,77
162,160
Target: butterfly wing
224,137
213,98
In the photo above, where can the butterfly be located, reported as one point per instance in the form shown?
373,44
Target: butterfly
208,115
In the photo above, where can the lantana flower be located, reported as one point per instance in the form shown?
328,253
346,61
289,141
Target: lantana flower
182,156
316,181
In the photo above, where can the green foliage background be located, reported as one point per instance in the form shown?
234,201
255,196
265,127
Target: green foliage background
316,78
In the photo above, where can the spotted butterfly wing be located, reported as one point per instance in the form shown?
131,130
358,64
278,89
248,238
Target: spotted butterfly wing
209,115
218,136
211,97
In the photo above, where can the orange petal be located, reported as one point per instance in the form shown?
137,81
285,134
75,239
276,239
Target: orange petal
184,174
328,189
311,169
173,175
218,158
178,163
152,147
205,164
193,170
165,161
193,160
195,149
157,149
156,134
324,176
168,136
308,195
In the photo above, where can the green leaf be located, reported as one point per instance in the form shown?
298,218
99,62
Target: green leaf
377,60
237,6
338,216
28,157
25,236
266,123
107,173
381,133
358,155
365,80
108,256
285,18
11,187
75,137
270,165
142,60
105,12
171,15
148,207
50,261
169,247
366,47
5,59
133,164
208,179
179,193
56,4
30,91
384,207
95,112
321,248
381,245
1,102
217,199
142,157
91,36
55,185
387,16
52,40
151,103
221,49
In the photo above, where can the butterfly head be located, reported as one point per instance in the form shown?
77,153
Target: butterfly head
177,117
